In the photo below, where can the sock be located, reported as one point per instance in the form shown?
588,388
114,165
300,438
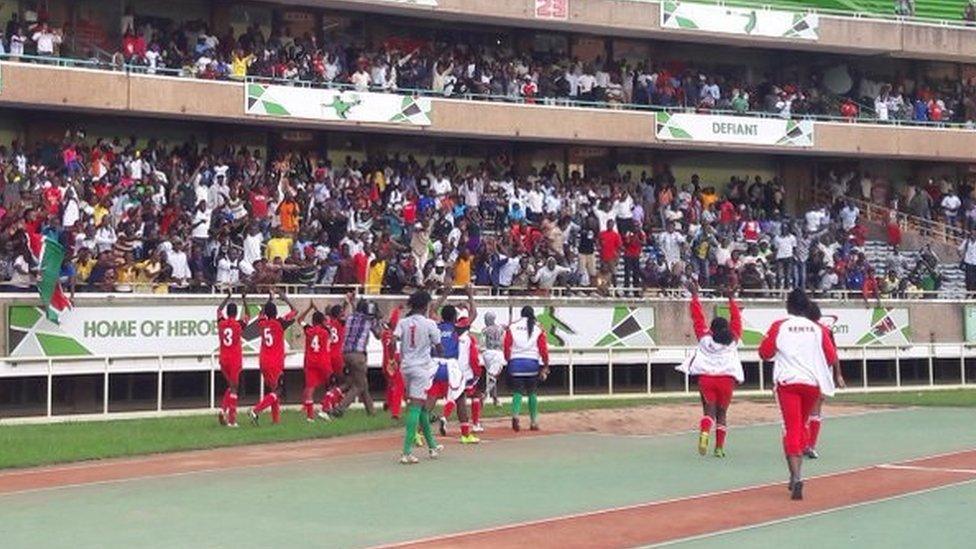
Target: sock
813,431
428,432
232,408
705,425
265,402
413,418
448,410
309,407
465,429
533,407
476,405
720,433
275,409
224,401
516,404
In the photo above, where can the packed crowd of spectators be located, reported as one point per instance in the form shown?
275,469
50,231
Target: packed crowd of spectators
153,217
938,199
454,67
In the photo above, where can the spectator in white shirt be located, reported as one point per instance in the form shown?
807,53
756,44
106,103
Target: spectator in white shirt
200,229
46,39
178,263
785,245
950,207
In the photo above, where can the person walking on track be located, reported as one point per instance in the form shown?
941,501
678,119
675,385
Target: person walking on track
802,352
527,353
419,339
718,368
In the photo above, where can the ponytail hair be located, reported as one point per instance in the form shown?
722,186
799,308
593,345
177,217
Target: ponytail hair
528,313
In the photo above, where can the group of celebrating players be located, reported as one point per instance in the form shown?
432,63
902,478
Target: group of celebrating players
806,370
430,355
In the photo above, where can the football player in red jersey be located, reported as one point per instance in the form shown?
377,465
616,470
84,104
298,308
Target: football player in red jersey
336,324
229,328
272,355
318,359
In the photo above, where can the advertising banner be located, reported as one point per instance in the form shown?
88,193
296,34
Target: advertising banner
740,130
552,9
969,322
692,16
872,326
335,105
137,330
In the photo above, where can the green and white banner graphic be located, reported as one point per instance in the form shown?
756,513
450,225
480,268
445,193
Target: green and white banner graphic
873,326
692,16
335,105
584,327
739,130
122,330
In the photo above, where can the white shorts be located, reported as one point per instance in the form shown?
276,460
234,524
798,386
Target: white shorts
417,380
494,362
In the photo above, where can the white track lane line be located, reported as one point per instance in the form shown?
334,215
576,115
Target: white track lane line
597,512
809,515
930,469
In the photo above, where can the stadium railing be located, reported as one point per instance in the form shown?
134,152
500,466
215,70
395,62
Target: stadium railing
586,293
860,365
881,214
139,70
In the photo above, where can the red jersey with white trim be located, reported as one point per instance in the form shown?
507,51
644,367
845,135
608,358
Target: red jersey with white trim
229,332
803,352
318,347
272,331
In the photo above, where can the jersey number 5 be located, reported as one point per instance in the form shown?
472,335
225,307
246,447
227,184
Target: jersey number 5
268,338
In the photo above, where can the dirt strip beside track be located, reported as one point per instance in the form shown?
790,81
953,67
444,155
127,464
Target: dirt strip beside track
658,522
109,470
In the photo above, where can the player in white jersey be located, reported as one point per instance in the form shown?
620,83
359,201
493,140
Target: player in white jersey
418,339
803,352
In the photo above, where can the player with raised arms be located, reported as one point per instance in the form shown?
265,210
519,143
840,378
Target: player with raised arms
317,363
231,358
716,364
271,358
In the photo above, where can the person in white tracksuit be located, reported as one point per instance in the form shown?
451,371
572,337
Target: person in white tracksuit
527,352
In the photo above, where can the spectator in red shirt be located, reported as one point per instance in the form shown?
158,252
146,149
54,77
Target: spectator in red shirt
870,287
610,244
633,248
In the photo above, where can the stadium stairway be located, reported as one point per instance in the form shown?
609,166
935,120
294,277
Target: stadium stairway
953,279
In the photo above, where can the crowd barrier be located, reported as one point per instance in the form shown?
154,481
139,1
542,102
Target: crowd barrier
867,369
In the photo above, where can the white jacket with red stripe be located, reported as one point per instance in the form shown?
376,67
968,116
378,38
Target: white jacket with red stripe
519,343
803,352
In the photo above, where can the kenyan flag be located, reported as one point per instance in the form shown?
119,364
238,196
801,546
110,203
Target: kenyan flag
49,254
